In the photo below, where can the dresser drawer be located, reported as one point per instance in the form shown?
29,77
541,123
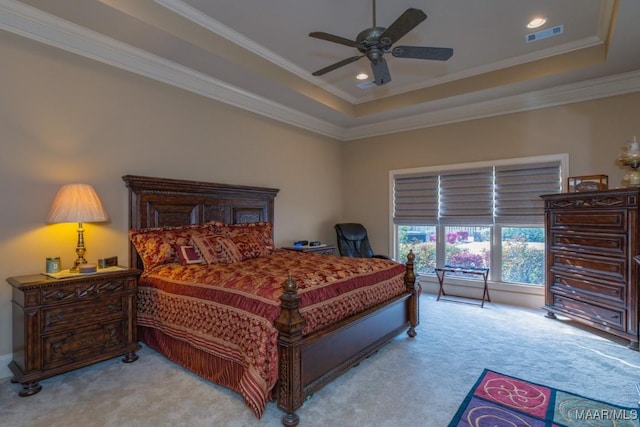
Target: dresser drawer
614,244
61,316
608,317
577,286
73,346
604,268
83,291
601,220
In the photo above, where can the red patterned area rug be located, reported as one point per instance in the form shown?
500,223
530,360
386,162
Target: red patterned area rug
498,400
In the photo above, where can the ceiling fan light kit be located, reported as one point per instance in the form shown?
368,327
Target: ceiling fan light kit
374,42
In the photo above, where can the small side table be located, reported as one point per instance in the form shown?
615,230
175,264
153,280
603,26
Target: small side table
484,272
68,323
322,249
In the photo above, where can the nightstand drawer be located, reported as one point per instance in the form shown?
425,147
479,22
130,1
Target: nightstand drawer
83,291
77,345
65,316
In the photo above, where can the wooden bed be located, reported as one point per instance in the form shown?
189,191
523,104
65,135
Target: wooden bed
305,363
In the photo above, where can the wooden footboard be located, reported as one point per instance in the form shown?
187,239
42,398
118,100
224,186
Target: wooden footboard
308,363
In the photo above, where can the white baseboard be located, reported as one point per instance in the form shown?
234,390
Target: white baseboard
5,372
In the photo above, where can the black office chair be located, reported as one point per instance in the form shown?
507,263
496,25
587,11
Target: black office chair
354,242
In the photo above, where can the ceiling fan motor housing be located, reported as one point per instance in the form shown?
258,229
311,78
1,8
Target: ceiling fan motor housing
369,38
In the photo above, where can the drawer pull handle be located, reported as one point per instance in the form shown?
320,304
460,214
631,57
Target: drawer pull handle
60,294
113,307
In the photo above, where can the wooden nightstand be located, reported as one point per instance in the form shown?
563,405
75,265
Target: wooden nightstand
65,324
322,249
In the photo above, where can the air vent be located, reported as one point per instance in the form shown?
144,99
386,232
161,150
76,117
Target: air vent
544,34
366,85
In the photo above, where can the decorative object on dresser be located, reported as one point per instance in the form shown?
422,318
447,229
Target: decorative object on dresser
77,203
630,157
591,240
63,324
587,183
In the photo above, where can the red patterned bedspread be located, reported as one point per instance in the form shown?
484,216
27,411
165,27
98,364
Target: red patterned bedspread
228,310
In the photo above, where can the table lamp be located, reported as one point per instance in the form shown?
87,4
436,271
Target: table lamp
77,203
631,157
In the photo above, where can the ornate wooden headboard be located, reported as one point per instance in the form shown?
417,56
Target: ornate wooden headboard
159,202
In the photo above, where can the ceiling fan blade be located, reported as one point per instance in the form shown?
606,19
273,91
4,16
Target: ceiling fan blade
337,65
332,38
381,74
405,23
419,52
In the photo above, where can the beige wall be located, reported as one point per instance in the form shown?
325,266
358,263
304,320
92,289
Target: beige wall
67,119
592,133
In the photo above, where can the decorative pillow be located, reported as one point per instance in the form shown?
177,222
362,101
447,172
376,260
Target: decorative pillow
263,229
188,254
156,245
250,245
217,248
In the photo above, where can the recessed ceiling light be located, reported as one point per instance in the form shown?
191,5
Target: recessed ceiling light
536,22
362,76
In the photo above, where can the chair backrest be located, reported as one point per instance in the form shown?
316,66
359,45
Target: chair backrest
353,240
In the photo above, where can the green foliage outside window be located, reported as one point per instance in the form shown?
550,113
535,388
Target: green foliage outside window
521,262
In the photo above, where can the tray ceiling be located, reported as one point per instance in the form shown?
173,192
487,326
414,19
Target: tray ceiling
257,55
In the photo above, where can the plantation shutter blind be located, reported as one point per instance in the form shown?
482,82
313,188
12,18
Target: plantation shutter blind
518,190
466,197
415,199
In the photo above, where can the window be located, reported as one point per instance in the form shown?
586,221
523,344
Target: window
485,214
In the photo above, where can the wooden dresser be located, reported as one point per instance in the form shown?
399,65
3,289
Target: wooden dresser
591,275
64,324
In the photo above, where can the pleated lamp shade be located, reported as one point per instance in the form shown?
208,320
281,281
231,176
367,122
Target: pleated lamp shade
77,203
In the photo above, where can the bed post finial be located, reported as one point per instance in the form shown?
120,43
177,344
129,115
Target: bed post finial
413,287
290,324
410,276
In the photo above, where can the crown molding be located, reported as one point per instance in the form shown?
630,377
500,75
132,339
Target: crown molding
19,18
24,20
619,84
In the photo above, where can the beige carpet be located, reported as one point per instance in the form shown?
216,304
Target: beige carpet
410,382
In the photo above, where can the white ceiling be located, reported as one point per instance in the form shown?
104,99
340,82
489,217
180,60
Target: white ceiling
257,54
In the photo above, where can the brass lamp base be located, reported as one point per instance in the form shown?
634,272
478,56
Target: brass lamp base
80,251
632,178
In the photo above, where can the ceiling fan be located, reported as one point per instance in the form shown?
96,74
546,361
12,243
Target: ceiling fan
375,41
